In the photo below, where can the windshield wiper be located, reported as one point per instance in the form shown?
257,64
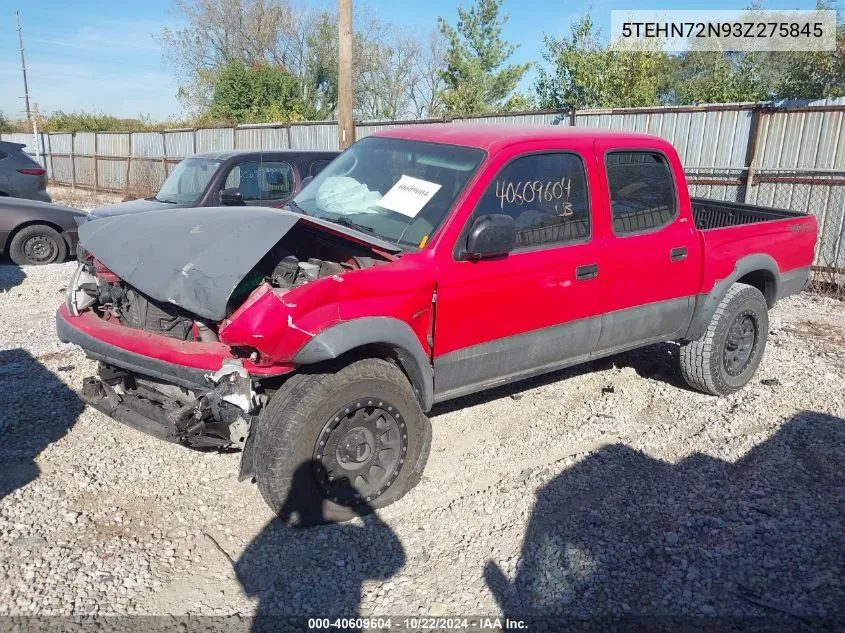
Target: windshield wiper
352,225
157,199
296,207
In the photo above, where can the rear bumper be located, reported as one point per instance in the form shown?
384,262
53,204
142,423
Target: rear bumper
793,281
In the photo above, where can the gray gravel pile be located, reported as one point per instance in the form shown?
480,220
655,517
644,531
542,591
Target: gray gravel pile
605,489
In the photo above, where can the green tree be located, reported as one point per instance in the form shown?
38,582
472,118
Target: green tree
476,77
716,77
320,74
5,124
256,94
585,73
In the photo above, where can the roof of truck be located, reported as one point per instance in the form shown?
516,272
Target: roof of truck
492,137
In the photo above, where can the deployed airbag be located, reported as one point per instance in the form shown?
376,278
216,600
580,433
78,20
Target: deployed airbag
193,258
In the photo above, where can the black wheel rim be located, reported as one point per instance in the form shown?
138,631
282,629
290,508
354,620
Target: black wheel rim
741,343
360,451
40,249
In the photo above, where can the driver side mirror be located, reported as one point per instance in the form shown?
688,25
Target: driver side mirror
231,197
491,235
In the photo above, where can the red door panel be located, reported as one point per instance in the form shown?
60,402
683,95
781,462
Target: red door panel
520,314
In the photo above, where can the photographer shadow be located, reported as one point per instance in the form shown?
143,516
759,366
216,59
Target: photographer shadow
314,572
701,545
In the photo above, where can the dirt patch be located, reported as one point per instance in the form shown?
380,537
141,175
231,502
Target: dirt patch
81,198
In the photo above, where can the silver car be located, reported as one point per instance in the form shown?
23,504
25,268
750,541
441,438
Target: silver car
20,176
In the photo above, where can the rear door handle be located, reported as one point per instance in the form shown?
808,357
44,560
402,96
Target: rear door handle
590,271
678,254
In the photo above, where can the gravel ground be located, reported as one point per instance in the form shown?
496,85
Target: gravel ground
605,489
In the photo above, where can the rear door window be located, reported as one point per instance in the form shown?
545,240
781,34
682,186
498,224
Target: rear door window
262,180
642,191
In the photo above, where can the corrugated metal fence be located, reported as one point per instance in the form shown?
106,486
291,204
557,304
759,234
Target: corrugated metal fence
791,155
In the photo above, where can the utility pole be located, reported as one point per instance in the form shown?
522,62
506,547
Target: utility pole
23,68
29,118
346,124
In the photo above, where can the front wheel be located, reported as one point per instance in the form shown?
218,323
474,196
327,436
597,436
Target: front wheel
726,357
338,443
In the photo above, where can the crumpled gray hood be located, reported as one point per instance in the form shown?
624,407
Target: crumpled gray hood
194,258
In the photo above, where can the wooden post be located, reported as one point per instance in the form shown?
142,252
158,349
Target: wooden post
163,161
72,162
751,152
346,124
96,166
50,154
128,167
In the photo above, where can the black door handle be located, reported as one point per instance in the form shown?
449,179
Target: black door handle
678,254
590,271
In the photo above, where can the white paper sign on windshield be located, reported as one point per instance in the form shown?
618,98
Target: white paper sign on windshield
409,195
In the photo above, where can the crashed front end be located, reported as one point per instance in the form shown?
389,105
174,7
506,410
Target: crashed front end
195,320
200,397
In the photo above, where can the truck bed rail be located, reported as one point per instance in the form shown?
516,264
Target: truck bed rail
717,214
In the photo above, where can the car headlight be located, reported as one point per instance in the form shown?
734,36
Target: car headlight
81,219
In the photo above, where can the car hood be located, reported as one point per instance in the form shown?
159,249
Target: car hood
194,259
133,206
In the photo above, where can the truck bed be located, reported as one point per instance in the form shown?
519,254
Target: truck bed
717,214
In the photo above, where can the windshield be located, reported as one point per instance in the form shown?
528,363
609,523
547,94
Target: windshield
187,182
396,189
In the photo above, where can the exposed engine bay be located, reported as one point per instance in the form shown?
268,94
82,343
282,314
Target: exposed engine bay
288,265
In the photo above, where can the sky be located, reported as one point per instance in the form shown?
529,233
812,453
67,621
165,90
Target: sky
103,56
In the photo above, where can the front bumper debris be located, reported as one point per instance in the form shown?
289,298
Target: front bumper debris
198,420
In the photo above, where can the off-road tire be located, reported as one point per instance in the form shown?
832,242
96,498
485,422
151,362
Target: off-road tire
290,425
57,248
703,361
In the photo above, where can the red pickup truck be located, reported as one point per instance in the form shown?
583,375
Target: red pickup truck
423,264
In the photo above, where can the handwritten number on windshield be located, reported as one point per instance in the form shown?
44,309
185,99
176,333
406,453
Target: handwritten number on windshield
527,191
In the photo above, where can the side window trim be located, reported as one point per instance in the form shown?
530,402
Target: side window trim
322,162
673,181
459,246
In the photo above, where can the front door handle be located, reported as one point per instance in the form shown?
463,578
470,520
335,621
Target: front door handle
678,254
590,271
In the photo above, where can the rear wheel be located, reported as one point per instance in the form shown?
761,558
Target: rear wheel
726,357
37,244
339,443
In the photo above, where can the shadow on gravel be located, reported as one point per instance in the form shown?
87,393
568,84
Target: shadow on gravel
11,275
757,544
36,409
318,571
655,362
